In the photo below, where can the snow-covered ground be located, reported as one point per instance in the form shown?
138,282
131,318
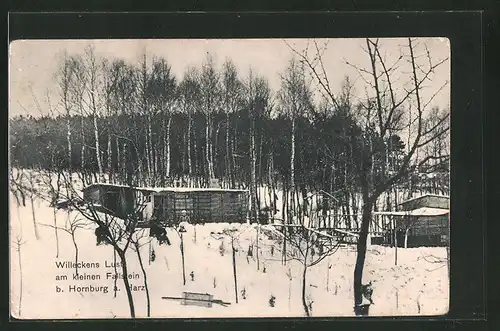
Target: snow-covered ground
417,285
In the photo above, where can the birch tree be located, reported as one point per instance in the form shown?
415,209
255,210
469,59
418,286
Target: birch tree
162,93
189,100
257,95
232,90
123,99
143,83
65,77
210,100
94,98
295,99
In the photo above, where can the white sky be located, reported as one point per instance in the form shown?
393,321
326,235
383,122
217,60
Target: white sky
34,62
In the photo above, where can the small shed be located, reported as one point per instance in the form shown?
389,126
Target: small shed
170,205
422,221
200,205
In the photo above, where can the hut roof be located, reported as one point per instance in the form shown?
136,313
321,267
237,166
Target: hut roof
165,189
419,212
425,196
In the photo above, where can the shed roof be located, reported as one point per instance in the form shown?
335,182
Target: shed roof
165,189
419,212
425,196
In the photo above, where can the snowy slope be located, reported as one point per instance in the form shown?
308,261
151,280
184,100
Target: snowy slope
418,285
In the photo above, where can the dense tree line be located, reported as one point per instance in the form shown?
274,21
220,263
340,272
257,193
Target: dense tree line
139,124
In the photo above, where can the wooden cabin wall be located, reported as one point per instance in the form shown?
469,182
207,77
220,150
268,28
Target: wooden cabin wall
435,225
201,207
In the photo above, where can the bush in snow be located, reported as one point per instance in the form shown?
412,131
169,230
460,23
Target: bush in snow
272,301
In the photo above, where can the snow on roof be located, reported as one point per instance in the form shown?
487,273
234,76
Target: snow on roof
425,195
167,189
424,211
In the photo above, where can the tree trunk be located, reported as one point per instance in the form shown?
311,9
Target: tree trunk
257,247
406,237
116,274
284,217
190,167
292,167
234,271
395,242
167,154
361,250
35,226
76,251
183,264
97,149
149,148
207,149
253,180
118,161
68,138
56,232
328,265
109,164
83,152
196,159
20,277
145,280
304,284
234,145
123,260
228,155
259,202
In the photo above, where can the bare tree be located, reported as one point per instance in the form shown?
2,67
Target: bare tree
19,242
309,247
114,231
18,190
54,195
233,234
33,193
70,228
136,241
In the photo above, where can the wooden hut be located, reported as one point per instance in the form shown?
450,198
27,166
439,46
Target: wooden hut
422,221
170,205
200,205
